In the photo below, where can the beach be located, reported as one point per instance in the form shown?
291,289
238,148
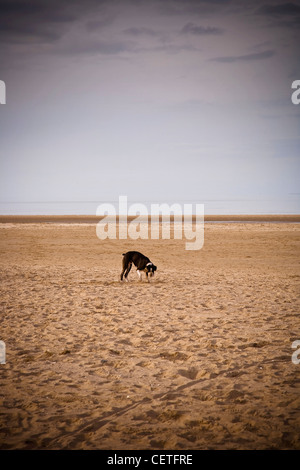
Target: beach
199,358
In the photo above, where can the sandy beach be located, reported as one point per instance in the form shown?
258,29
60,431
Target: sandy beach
200,358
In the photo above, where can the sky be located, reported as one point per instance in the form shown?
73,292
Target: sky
168,101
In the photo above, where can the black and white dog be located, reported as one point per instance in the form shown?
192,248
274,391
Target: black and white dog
141,262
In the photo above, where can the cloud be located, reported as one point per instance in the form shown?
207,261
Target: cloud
191,28
282,14
282,9
20,32
96,47
142,31
166,48
194,7
98,24
40,22
245,58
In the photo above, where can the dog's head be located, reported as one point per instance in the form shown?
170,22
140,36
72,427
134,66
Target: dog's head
151,268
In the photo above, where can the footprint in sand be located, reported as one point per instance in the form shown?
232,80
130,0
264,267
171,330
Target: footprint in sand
190,373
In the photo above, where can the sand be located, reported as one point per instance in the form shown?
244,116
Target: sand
200,358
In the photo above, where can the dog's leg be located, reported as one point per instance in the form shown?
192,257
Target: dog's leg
124,272
124,266
139,274
127,271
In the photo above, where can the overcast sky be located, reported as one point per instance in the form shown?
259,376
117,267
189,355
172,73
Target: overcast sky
158,100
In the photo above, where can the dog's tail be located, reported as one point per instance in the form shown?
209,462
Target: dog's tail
123,254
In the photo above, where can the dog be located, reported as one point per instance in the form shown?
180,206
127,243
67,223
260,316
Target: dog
141,262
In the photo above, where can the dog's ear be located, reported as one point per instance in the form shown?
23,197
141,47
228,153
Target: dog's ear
154,268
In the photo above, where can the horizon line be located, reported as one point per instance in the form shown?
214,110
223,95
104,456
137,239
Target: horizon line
83,218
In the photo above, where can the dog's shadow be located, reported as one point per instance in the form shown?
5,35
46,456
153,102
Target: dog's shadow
134,282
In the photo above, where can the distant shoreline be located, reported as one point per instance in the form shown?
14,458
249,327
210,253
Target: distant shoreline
92,219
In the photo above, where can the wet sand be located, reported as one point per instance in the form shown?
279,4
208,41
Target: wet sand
200,358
